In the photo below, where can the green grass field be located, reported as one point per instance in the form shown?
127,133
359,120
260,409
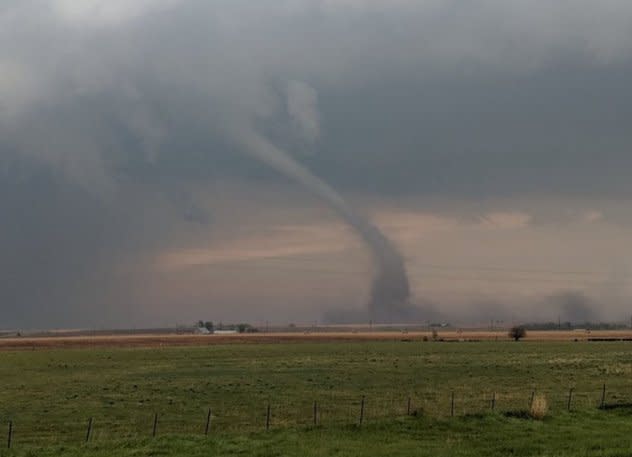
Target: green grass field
49,395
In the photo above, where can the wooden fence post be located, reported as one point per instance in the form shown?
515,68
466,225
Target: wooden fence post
603,397
493,401
570,399
208,422
10,437
532,398
89,430
153,433
452,404
408,407
362,410
268,417
315,413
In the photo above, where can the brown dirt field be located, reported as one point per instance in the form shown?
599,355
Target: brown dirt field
160,340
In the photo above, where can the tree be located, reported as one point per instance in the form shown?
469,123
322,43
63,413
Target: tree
517,332
209,326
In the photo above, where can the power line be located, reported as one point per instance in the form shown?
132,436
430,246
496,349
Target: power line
516,270
428,277
299,262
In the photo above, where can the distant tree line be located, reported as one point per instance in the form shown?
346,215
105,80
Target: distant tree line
574,326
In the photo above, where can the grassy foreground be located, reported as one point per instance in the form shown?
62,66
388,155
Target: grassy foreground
592,434
49,396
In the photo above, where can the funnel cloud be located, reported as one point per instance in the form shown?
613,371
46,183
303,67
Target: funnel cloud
390,291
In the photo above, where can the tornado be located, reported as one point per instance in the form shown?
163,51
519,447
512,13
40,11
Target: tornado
390,290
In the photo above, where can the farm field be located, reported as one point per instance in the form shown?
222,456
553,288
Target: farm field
79,339
49,394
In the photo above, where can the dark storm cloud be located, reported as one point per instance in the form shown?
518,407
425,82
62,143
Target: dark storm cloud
68,257
557,131
414,96
109,105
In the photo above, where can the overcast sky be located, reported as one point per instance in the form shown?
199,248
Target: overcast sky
489,140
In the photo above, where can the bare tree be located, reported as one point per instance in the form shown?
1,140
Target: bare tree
517,332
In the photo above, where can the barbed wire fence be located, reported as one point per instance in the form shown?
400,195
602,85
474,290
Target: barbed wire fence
31,428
